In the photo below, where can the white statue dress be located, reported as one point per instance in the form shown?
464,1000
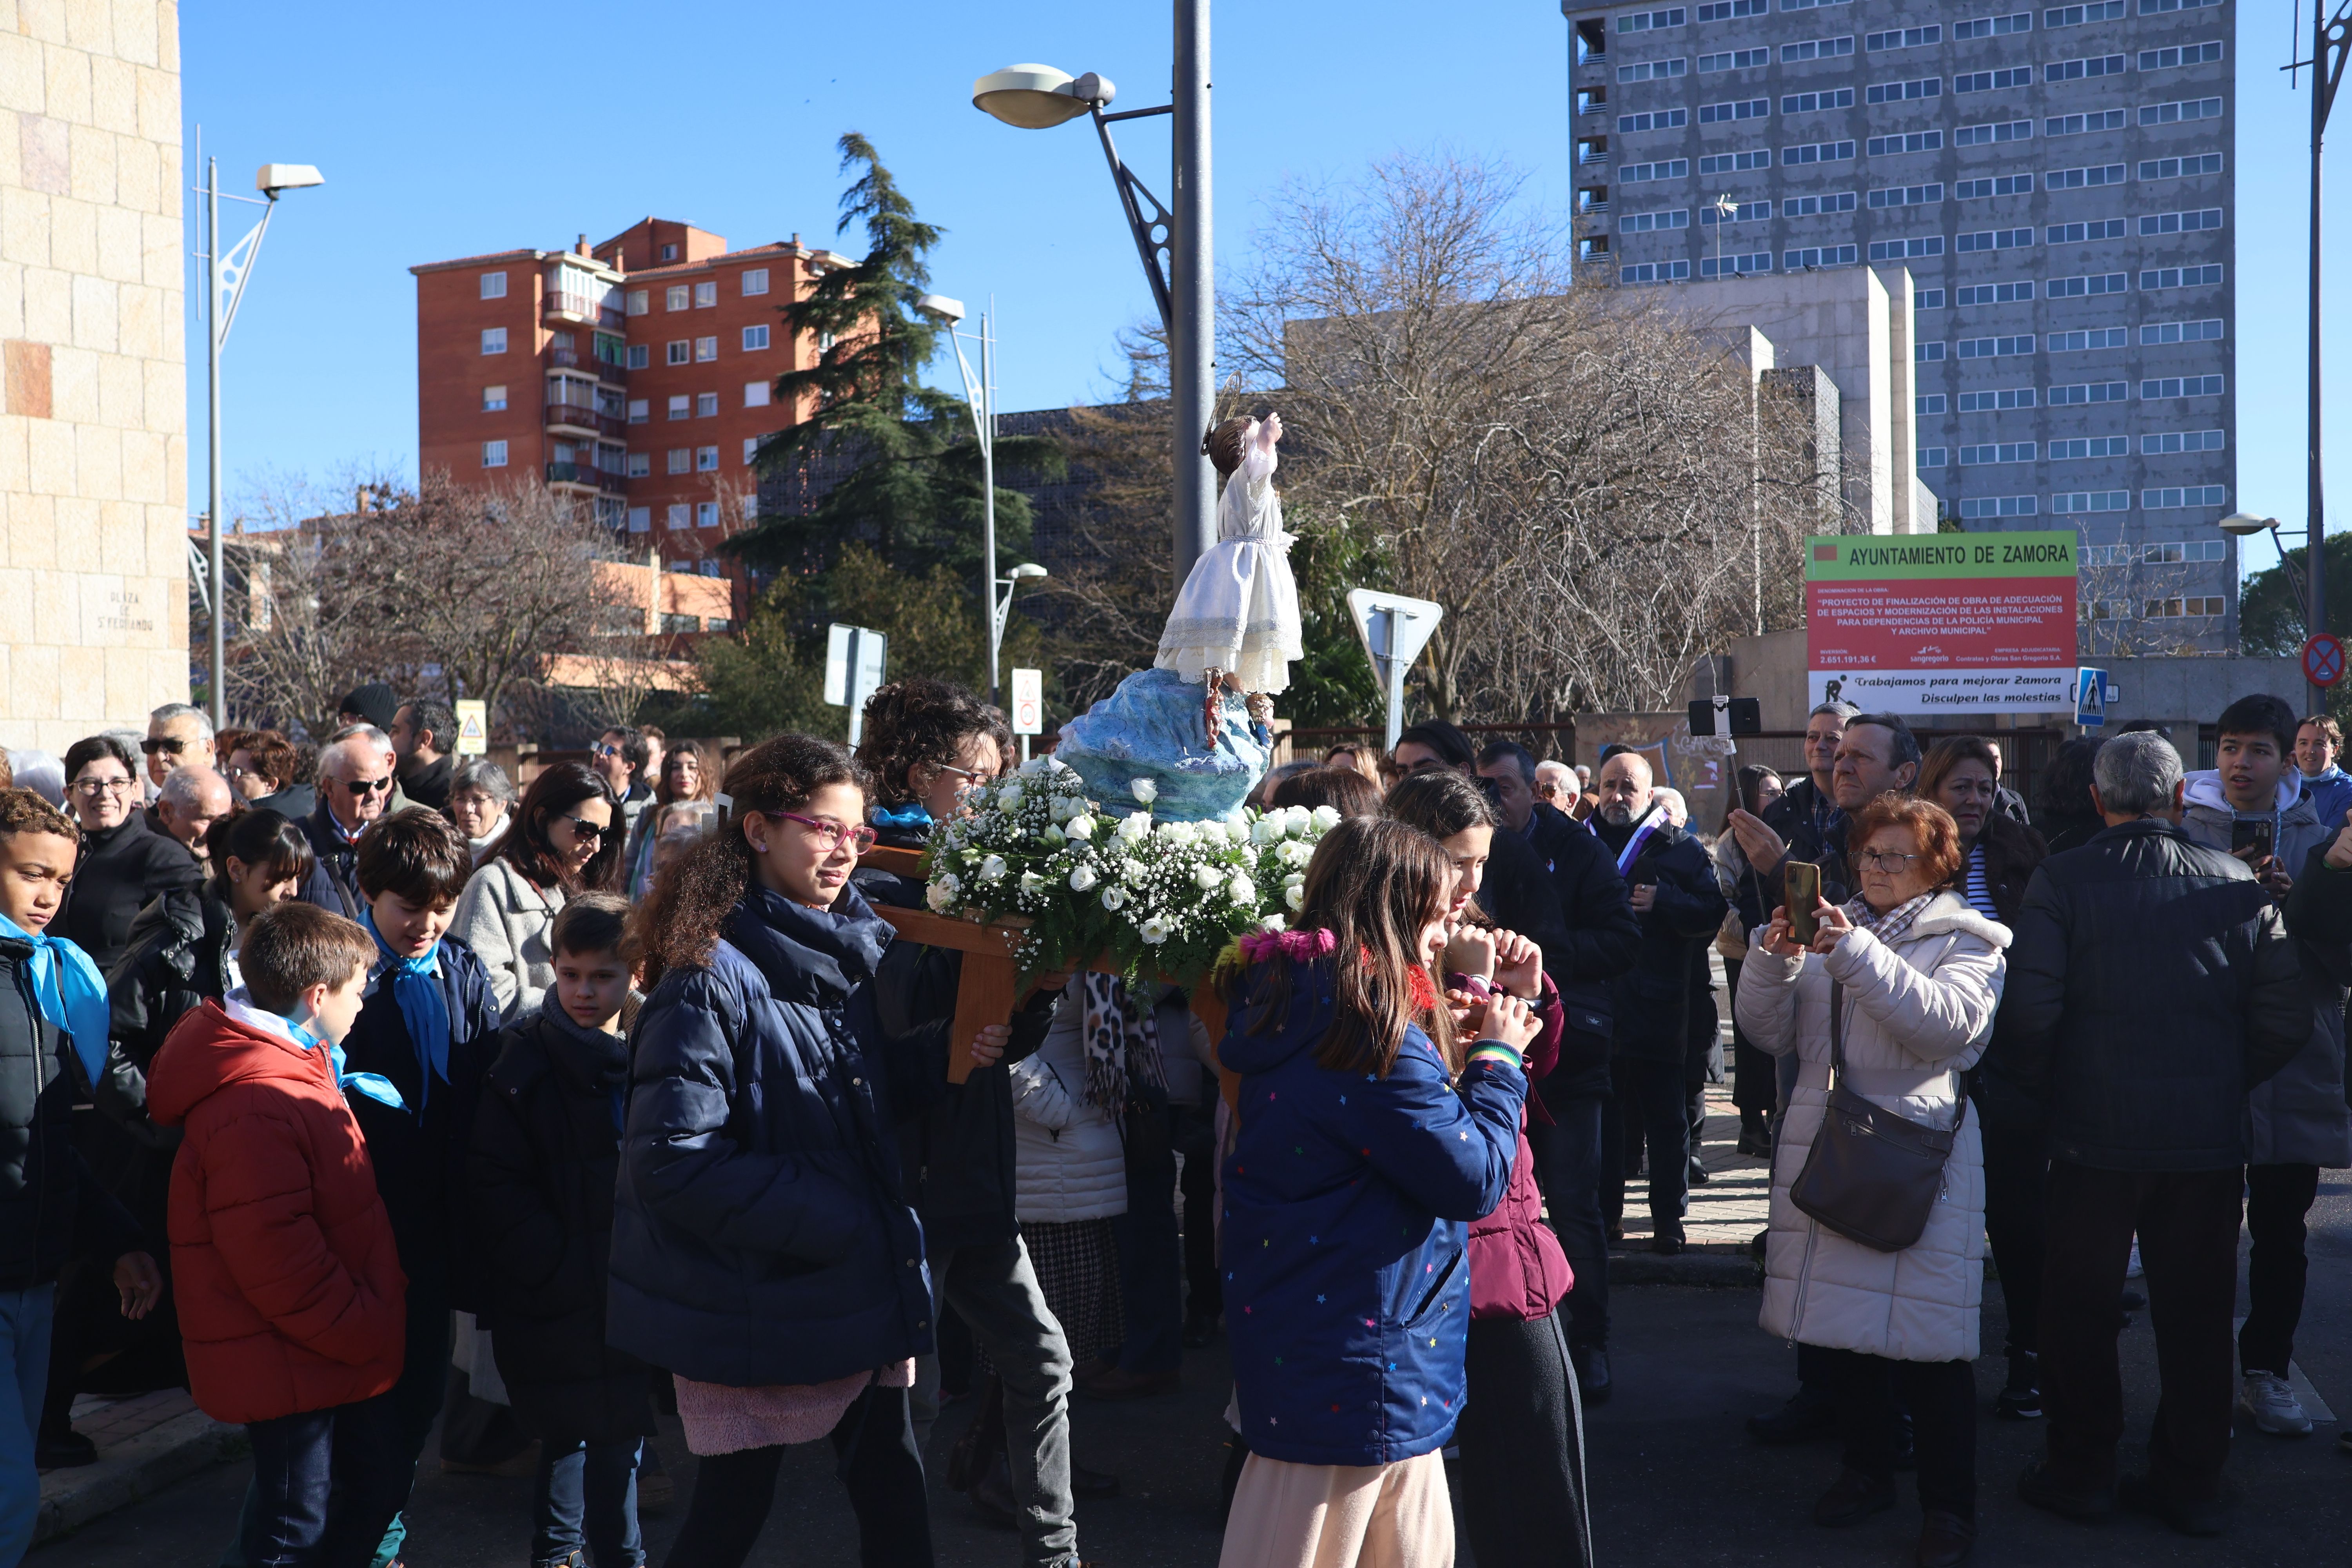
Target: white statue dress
1239,608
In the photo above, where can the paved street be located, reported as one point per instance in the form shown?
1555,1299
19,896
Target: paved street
1673,1480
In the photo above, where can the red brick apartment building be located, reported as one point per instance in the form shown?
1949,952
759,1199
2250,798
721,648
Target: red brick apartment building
635,374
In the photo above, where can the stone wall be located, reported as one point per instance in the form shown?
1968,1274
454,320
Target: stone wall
94,426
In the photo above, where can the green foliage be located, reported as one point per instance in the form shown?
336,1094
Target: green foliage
1333,685
2270,611
761,682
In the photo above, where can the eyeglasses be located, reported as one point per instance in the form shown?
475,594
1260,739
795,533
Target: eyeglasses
1885,859
608,751
829,835
584,828
151,745
366,787
90,789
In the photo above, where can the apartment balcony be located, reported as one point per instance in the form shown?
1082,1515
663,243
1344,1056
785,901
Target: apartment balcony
1590,154
1594,209
572,359
572,416
587,479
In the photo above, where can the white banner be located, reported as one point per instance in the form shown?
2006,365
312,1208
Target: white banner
1919,691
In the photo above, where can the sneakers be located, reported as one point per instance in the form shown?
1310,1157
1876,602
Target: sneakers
2271,1406
2021,1398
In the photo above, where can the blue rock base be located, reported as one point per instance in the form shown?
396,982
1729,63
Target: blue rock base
1152,727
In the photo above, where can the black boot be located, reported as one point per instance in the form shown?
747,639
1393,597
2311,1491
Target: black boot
1591,1363
1810,1415
2020,1397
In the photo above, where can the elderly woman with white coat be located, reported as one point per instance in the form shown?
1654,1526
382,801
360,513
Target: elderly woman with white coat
1070,1168
1916,975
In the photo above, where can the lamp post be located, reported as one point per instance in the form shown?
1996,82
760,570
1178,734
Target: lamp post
2331,41
1001,615
2241,524
230,273
979,397
1175,246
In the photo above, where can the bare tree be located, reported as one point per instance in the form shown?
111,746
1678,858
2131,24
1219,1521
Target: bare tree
2131,603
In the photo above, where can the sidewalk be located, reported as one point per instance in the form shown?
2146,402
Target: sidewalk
146,1442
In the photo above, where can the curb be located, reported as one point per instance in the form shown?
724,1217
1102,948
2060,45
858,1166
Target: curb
137,1469
1706,1270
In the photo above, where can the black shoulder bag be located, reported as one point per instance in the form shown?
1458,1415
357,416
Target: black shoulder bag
1870,1175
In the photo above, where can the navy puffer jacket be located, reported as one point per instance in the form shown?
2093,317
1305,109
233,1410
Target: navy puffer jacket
761,1235
1347,1200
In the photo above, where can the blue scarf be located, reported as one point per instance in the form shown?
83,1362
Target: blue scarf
70,992
416,987
911,815
373,1084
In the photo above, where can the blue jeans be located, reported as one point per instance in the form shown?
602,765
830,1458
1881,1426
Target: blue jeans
586,1496
325,1485
25,1317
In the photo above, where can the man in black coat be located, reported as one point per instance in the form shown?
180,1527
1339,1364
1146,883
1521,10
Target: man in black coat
354,786
1673,891
121,862
2151,985
423,733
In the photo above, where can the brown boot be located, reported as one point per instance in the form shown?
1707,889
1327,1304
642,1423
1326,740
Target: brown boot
1944,1540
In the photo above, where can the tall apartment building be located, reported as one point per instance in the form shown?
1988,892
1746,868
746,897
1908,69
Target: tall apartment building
635,374
2057,183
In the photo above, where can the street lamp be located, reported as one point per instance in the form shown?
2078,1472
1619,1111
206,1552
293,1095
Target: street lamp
225,280
1175,247
1000,613
2243,524
979,397
2331,44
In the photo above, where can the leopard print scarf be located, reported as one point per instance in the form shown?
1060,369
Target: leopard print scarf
1121,1039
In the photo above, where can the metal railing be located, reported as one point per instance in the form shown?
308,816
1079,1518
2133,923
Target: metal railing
579,417
572,359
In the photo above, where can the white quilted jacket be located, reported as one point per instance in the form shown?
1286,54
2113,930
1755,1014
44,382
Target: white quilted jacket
1069,1161
1917,1013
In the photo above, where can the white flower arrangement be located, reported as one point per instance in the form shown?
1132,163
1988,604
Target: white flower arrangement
1149,897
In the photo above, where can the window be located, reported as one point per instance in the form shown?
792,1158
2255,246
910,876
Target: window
2089,283
2089,392
1906,196
1736,265
494,285
1741,212
1998,293
706,460
681,351
2203,332
1997,402
2174,113
612,457
2067,503
2082,69
640,410
1808,5
706,513
1903,91
1635,173
1644,21
494,453
706,295
2170,553
681,407
2181,386
640,355
2075,16
669,253
1807,102
2086,339
1928,406
1728,60
2090,447
2171,497
2081,232
1909,142
754,339
1933,457
2084,178
1646,223
1985,134
2158,7
1995,239
1818,256
640,302
2180,55
679,460
755,395
1998,506
1927,300
493,399
1992,26
2186,608
2180,222
2104,555
641,465
2105,609
751,450
706,404
2171,441
1656,119
1806,207
681,515
1732,162
641,520
755,281
1903,38
1654,272
2181,277
1653,71
1724,10
1996,348
1990,81
705,348
1744,108
2083,124
1824,49
494,339
1901,249
2180,168
1998,452
676,297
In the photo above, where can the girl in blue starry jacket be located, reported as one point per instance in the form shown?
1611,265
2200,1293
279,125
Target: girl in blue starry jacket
1367,1145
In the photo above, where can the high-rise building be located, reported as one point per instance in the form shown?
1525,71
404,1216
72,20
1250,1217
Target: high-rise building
636,375
2055,179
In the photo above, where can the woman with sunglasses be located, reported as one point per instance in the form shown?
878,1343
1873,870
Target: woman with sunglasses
763,1249
564,841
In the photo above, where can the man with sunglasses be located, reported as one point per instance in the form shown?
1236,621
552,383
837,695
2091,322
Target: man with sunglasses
178,736
354,789
620,758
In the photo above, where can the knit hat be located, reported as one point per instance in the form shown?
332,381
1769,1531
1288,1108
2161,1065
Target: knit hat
375,702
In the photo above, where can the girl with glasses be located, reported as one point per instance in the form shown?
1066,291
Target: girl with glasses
565,840
122,861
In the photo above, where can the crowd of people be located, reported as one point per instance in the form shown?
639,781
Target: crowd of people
366,1095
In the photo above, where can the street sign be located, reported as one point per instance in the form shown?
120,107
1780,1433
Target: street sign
855,659
2323,658
1028,702
2090,697
1394,630
1921,624
473,727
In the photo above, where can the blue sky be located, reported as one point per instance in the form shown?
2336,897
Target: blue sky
447,130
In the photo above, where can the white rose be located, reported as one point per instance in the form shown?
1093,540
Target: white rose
1272,922
1242,891
942,893
1208,876
1144,790
1067,807
1295,897
1009,798
993,869
1178,832
1032,883
1114,898
1080,827
1054,836
1133,870
1325,819
1134,828
1081,879
1295,820
1295,879
1153,931
1292,852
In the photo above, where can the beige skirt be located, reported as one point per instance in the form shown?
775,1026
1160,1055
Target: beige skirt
1340,1516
